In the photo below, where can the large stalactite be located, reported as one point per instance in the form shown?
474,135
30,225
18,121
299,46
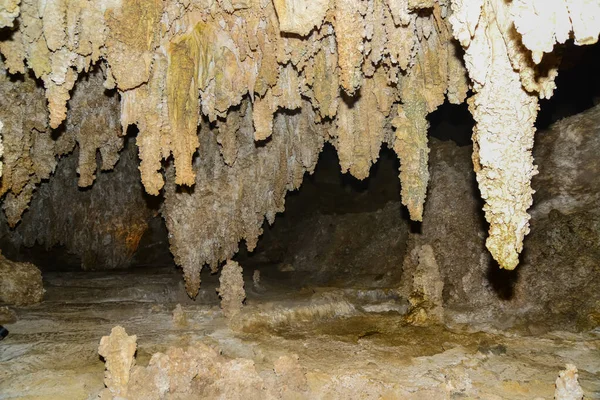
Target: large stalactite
236,98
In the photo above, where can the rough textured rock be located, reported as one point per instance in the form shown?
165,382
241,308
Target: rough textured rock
427,286
567,386
300,17
20,283
7,316
201,372
229,202
456,234
231,289
336,228
9,10
568,183
365,73
503,135
118,350
32,150
102,225
179,317
563,242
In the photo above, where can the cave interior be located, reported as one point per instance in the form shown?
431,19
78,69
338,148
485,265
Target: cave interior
329,228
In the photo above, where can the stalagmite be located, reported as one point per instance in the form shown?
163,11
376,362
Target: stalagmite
567,385
234,100
118,351
231,289
426,297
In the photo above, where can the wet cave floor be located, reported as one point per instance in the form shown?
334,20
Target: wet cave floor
353,340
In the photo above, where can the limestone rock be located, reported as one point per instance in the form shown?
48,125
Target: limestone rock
20,283
9,10
567,385
7,316
230,203
231,289
189,73
118,350
426,297
102,225
299,16
563,242
503,135
179,317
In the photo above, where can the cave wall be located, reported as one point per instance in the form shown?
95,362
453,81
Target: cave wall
101,224
338,230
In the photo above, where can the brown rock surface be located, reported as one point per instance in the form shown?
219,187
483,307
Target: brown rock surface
20,283
562,245
7,316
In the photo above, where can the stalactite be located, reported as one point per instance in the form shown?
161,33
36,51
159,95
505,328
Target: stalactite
505,107
229,202
9,10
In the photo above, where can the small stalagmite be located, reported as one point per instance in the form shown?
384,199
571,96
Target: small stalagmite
231,289
118,350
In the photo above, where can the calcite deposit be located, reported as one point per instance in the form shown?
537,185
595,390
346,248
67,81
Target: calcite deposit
567,385
234,100
231,289
200,371
426,298
117,350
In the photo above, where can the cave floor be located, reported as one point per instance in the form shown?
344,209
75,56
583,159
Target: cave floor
353,344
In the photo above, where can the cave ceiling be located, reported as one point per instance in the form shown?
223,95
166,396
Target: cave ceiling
234,100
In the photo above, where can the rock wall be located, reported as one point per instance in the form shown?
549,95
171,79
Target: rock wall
337,230
102,225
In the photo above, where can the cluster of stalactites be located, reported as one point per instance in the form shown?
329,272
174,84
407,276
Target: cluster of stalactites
368,72
352,60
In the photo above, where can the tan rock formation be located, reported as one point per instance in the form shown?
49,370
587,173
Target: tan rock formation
7,316
20,283
199,371
179,317
9,10
504,113
231,289
426,297
118,350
